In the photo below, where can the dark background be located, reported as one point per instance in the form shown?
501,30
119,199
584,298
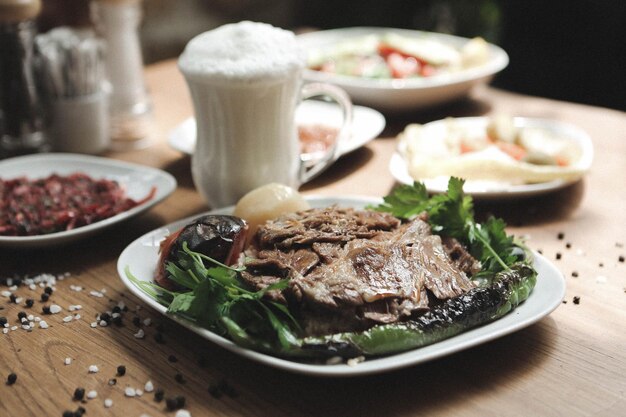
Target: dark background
572,50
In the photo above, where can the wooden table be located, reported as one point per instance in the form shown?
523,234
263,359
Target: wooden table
572,363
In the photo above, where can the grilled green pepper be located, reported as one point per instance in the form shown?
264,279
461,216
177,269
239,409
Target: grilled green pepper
476,307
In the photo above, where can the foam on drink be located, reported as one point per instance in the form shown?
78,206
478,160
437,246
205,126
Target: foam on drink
246,52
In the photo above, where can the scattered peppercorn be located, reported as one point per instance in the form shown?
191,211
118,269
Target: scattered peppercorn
179,378
106,317
79,394
30,302
48,290
46,310
558,255
560,236
601,265
172,358
121,370
540,251
621,258
564,301
68,413
80,411
568,245
13,298
3,321
11,378
576,300
21,315
116,309
158,395
117,320
171,404
575,274
45,297
137,321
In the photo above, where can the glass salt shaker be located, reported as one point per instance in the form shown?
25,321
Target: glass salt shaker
22,120
117,21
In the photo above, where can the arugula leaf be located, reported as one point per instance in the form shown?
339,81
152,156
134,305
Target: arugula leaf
213,297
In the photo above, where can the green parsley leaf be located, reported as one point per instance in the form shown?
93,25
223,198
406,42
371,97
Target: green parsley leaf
452,214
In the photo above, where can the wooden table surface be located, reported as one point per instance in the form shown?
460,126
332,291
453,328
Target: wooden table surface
571,363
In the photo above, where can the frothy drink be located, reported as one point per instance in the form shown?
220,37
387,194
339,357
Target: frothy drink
245,81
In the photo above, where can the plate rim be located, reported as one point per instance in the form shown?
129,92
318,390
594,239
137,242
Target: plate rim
63,237
398,167
372,366
350,146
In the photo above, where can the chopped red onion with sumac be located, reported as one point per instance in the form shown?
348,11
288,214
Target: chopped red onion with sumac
59,203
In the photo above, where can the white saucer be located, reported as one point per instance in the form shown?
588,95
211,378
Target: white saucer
366,125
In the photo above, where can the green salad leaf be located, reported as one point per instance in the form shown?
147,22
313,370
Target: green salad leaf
213,298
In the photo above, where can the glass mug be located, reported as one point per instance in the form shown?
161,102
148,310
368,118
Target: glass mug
245,81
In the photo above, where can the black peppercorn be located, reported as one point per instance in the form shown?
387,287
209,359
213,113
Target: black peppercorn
171,404
121,370
79,394
11,378
158,395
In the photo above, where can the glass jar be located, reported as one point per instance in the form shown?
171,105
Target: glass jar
22,119
117,21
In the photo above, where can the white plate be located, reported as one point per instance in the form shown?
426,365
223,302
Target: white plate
409,94
138,180
499,190
366,125
141,257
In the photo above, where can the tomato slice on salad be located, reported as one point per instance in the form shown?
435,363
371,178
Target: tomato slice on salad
403,65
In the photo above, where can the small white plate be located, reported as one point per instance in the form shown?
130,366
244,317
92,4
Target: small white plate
141,256
137,180
403,94
366,125
491,189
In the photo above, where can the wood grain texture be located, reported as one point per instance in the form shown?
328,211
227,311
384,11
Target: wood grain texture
571,363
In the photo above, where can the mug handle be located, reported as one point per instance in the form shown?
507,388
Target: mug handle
311,169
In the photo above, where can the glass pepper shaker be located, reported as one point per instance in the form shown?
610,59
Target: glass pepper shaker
22,119
117,21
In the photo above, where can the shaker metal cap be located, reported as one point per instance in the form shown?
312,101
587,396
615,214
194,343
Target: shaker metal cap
12,11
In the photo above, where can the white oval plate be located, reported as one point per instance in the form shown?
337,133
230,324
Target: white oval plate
137,180
366,125
491,189
397,94
141,256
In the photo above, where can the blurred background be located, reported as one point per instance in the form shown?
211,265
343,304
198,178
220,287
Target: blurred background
572,50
